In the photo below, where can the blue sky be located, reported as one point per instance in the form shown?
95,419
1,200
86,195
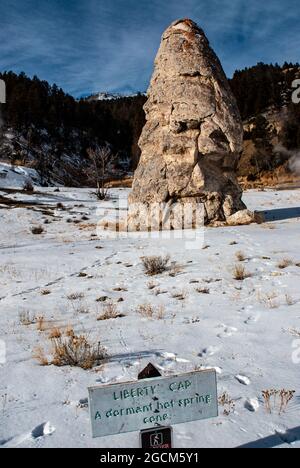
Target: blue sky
109,45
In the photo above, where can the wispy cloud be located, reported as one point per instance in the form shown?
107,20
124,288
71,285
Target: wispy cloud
110,45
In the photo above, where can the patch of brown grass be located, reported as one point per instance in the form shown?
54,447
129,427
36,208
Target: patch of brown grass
227,403
203,290
55,333
45,292
155,265
285,263
77,351
40,356
180,295
240,273
175,270
71,350
110,311
270,300
40,323
149,311
26,318
240,256
75,296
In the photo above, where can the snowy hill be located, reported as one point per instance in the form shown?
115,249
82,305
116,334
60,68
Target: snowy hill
17,176
105,96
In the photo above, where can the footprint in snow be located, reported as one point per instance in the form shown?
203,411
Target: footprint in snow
252,405
45,429
228,331
42,430
242,379
252,319
210,351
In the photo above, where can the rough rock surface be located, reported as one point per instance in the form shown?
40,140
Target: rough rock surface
193,137
244,217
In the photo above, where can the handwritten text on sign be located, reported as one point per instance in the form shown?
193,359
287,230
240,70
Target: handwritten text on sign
135,406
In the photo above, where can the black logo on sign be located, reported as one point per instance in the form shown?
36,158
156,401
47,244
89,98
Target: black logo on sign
157,438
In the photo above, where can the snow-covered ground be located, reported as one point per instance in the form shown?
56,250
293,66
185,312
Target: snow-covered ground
246,330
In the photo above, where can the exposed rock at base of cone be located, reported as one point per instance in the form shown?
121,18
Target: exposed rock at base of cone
193,137
244,217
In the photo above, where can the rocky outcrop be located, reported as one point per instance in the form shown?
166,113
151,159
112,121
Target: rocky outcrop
193,136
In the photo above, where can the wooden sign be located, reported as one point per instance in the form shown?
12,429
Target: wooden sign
159,401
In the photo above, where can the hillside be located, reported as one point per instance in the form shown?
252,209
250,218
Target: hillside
50,131
271,122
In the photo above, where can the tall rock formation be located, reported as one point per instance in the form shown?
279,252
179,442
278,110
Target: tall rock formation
193,136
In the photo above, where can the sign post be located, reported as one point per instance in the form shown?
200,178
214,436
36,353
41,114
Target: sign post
158,401
157,437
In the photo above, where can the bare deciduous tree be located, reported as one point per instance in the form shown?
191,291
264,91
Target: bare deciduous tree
102,159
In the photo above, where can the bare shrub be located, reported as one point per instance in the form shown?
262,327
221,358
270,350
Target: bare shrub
175,270
110,311
40,356
240,256
71,350
203,290
75,296
285,263
240,273
227,403
82,309
180,295
155,265
270,300
158,291
26,318
285,397
146,310
277,400
40,323
160,313
149,311
55,333
78,305
69,331
36,230
151,285
101,158
45,292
